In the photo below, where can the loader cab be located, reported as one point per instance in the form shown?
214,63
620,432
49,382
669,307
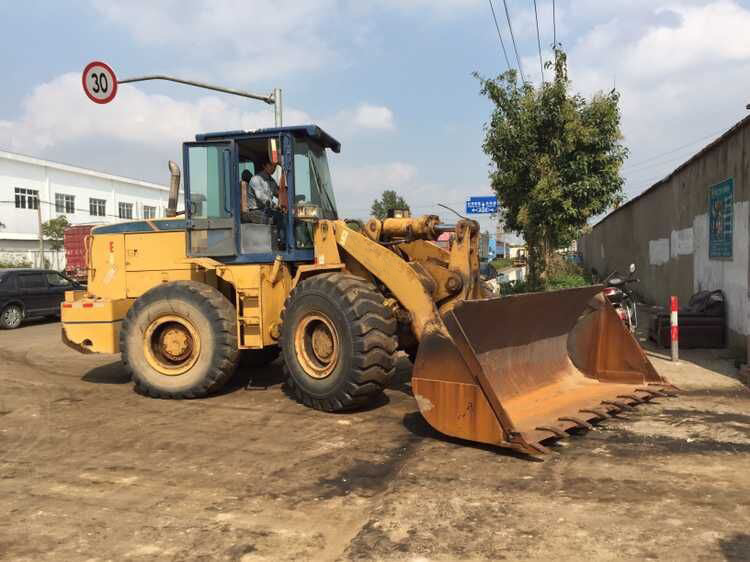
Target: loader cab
213,167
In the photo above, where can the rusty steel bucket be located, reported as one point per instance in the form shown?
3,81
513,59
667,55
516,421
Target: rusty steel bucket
522,369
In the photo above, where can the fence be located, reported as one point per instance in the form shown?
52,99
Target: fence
49,259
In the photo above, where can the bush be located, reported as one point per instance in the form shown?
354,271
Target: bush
9,263
561,274
501,263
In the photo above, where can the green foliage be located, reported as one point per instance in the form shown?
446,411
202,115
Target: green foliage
556,159
53,231
9,263
561,274
501,263
389,200
514,288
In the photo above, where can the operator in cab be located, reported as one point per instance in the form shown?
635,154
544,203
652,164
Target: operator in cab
262,198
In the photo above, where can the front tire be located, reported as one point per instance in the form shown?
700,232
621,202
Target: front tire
11,317
338,341
179,340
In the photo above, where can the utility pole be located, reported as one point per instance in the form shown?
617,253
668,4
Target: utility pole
41,235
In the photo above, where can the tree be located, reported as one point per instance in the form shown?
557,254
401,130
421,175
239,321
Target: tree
53,231
389,200
556,158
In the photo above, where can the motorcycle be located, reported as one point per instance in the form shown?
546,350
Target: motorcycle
621,297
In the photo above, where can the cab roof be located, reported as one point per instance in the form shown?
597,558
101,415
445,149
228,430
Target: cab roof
302,131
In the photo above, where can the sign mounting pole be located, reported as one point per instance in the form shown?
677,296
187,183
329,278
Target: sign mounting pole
100,85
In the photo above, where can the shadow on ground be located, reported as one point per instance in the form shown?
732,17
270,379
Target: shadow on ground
111,373
736,547
418,426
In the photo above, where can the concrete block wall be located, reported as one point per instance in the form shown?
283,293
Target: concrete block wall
665,233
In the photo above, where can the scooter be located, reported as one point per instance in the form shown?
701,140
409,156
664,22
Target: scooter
621,297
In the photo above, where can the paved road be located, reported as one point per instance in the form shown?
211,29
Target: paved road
91,471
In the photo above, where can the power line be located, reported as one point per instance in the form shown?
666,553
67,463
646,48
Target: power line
640,163
499,36
538,41
513,38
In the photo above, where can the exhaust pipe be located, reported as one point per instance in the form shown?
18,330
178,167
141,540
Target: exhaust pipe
174,189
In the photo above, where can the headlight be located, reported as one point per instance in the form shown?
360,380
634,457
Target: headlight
307,211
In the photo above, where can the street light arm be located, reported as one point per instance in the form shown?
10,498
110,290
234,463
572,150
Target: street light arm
267,99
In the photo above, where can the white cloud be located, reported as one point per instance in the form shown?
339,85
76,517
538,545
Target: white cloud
358,186
57,112
58,120
244,40
250,40
682,69
374,117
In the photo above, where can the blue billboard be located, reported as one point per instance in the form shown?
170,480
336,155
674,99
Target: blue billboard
481,205
721,213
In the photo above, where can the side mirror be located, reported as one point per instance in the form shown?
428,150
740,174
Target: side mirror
632,268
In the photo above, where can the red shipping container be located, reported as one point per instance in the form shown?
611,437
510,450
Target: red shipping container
74,242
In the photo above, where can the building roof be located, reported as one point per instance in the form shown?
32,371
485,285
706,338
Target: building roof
724,136
77,170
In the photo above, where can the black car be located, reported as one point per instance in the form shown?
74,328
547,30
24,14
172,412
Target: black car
26,293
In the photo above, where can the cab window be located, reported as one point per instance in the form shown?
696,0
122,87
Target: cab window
312,178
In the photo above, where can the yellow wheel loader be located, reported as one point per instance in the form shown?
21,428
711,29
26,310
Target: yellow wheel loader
236,277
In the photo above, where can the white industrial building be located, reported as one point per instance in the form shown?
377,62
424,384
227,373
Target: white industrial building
34,190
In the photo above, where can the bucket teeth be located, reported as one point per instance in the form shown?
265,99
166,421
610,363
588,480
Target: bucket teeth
578,421
633,397
665,389
619,404
650,393
555,431
539,448
600,413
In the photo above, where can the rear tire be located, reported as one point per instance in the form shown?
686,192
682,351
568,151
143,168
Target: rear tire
338,341
11,317
179,340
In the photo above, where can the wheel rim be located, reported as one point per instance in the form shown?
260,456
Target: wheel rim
171,345
12,316
317,345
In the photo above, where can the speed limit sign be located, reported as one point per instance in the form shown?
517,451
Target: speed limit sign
99,82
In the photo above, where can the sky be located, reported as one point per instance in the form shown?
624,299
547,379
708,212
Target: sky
391,79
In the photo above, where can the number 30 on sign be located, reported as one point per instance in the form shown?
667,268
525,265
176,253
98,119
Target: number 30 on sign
99,82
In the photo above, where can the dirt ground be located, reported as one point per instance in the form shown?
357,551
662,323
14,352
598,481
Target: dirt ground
91,471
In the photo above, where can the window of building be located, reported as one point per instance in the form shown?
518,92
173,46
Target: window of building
97,207
125,210
64,203
149,212
27,198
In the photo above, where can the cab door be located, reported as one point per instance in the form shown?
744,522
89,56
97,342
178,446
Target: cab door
210,174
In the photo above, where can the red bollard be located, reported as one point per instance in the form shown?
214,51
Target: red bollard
675,329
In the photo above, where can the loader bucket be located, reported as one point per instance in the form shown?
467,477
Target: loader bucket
522,369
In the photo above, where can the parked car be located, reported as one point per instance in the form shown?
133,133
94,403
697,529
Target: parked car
28,293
